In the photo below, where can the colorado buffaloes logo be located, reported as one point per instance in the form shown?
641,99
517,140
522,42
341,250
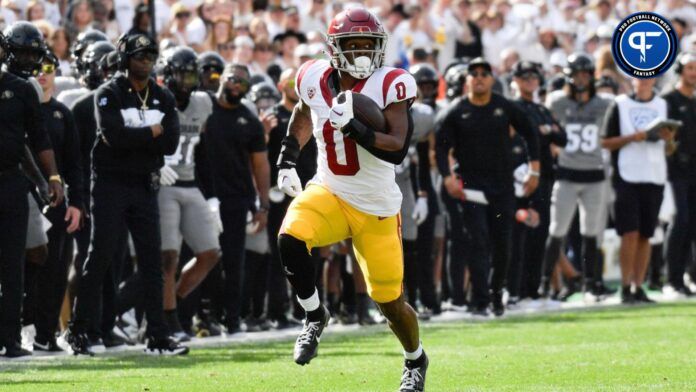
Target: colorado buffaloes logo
311,92
57,115
142,41
7,94
644,45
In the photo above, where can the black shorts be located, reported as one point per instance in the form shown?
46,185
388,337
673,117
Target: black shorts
637,207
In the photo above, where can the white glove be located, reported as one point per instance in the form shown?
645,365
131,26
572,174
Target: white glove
289,182
420,211
341,113
214,205
168,176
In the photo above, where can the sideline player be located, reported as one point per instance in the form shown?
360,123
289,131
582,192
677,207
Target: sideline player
184,212
354,193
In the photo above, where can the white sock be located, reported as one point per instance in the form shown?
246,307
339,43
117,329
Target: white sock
414,355
311,303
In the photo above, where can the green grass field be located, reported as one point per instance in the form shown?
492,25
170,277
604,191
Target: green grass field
619,349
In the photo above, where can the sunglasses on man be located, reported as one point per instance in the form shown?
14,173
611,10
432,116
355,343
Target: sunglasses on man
236,80
480,74
142,56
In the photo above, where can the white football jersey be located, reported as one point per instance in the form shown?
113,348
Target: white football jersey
346,169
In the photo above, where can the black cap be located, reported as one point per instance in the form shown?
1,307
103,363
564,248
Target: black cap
523,67
479,62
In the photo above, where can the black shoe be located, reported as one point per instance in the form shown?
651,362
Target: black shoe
347,318
480,311
284,322
165,346
627,296
113,340
14,351
605,290
233,328
47,345
642,297
307,343
79,343
572,286
425,314
497,304
413,376
252,324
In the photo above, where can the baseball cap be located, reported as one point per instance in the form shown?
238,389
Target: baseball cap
479,62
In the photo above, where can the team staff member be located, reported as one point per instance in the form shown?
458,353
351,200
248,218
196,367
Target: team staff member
21,114
681,167
528,76
46,282
93,62
640,173
477,131
137,125
236,149
306,167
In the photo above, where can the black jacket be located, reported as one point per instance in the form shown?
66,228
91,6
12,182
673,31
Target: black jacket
66,147
20,114
125,144
480,138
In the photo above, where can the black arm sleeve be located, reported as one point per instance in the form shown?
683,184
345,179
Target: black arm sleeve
521,123
611,127
72,162
394,157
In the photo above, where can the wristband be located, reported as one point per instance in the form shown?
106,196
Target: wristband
287,159
57,178
533,173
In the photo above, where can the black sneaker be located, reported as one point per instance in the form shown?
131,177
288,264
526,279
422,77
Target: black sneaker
47,345
113,340
572,286
478,311
284,322
79,343
307,344
627,296
14,351
642,297
165,346
497,303
252,324
413,376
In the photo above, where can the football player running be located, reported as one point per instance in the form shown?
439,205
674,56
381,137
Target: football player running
354,193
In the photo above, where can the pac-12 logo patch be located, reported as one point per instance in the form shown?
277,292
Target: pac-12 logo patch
644,45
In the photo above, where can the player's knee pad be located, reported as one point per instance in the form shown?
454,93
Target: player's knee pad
297,264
